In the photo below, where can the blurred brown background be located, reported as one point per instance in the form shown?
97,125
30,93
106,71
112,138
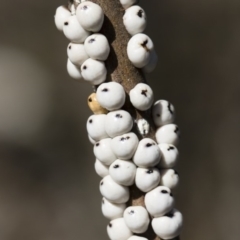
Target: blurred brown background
48,187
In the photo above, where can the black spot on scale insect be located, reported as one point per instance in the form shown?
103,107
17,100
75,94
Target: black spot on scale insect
171,148
131,212
144,92
164,191
170,108
140,13
149,144
118,116
91,40
176,130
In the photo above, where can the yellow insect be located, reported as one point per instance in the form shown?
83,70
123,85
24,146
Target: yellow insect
95,106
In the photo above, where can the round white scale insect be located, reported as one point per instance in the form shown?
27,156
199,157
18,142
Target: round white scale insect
90,16
141,96
118,230
127,3
76,53
124,146
169,155
74,70
111,95
94,71
168,226
113,191
152,62
135,20
123,172
74,31
169,178
159,201
62,14
95,127
147,178
97,47
137,238
103,152
101,169
137,219
168,134
163,113
147,154
112,210
139,50
117,123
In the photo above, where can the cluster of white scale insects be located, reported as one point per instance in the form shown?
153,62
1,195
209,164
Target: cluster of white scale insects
122,159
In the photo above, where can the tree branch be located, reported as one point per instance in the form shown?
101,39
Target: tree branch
121,70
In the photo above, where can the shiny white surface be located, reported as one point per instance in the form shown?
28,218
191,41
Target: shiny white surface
90,16
76,53
137,219
168,134
103,151
163,113
141,96
112,210
101,169
118,123
169,178
62,14
94,71
95,127
169,226
169,155
127,3
147,178
147,154
74,31
124,146
118,230
97,47
159,201
135,20
74,70
138,50
111,95
123,172
113,191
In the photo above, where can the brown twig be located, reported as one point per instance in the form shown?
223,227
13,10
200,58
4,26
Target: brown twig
121,70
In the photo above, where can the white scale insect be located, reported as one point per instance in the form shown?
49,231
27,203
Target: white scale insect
138,50
94,71
97,47
137,219
135,20
90,16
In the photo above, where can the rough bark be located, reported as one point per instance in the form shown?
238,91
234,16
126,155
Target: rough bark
121,70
